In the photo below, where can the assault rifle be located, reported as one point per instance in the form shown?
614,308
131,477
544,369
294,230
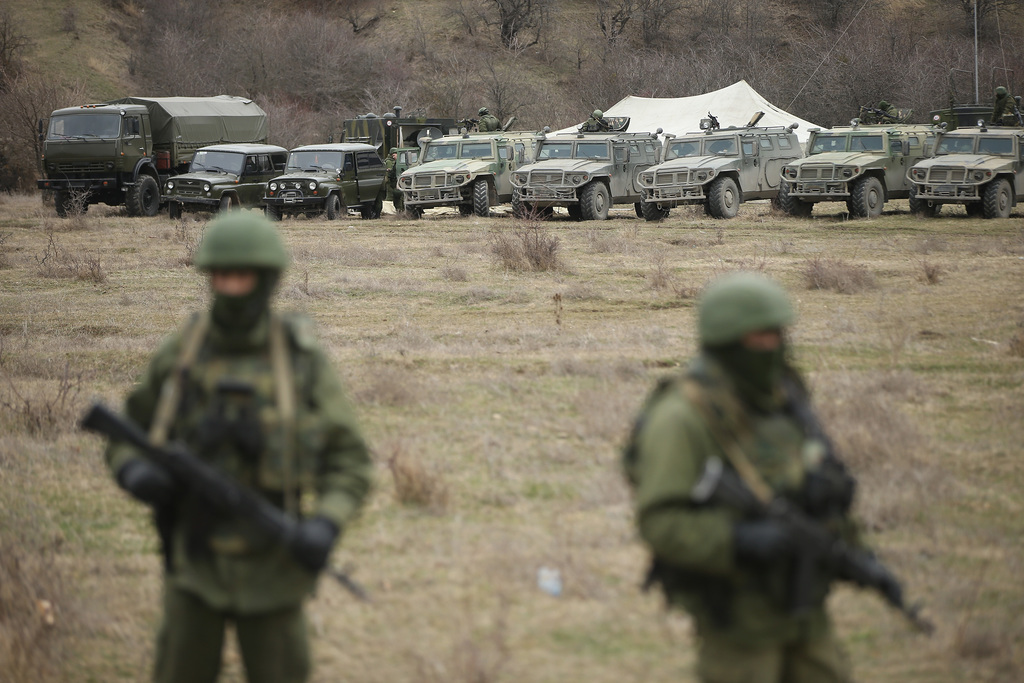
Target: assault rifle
209,483
470,125
817,547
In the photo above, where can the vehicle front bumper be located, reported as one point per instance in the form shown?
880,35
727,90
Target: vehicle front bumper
296,204
948,193
674,193
105,184
434,196
200,203
819,189
548,193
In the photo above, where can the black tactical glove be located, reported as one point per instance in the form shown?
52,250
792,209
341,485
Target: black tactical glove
828,490
762,541
147,482
311,545
872,573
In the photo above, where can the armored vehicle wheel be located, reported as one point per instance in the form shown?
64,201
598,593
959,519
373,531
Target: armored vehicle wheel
334,209
652,212
638,209
792,205
144,198
174,210
575,212
273,213
867,198
62,203
465,209
974,209
227,202
997,199
517,204
923,207
481,198
723,198
594,202
373,210
414,211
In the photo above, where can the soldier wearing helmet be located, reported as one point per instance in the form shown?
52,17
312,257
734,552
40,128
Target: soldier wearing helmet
596,123
739,401
1003,108
488,122
250,391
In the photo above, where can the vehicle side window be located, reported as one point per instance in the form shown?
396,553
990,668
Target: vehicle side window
748,148
649,147
785,142
368,160
765,142
503,152
131,126
348,163
635,148
620,155
914,140
520,152
250,165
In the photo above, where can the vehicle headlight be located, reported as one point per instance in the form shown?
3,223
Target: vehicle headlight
846,172
459,179
789,172
519,178
586,177
646,178
700,176
312,184
917,173
170,184
206,187
298,186
273,187
405,181
978,175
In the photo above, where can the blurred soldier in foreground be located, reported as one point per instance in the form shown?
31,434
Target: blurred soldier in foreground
759,609
251,392
596,123
488,122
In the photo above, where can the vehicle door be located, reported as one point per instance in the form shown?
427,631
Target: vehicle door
787,150
506,164
1018,167
250,183
349,185
642,155
620,183
370,172
750,171
898,167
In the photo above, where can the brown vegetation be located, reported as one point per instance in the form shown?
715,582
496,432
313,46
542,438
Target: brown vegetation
526,246
837,275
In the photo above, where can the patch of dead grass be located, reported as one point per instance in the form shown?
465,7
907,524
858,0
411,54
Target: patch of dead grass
416,483
837,275
526,247
59,262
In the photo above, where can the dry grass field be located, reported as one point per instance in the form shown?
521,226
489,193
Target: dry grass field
495,397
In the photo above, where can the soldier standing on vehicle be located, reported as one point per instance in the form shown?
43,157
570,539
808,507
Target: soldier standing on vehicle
596,123
488,122
1003,108
250,391
740,401
882,113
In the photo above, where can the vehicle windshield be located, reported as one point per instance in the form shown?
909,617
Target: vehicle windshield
449,150
85,126
843,143
955,145
866,143
476,150
314,160
220,162
1003,146
724,147
683,148
591,150
828,143
555,150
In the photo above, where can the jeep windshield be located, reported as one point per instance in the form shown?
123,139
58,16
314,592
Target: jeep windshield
314,161
455,150
220,162
683,148
571,150
953,144
84,126
847,143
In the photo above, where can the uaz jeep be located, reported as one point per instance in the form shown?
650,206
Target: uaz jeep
586,173
470,171
865,166
981,168
223,177
719,169
328,179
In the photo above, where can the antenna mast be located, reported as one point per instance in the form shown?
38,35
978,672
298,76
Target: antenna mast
977,94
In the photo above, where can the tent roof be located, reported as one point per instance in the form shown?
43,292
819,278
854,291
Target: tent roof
733,105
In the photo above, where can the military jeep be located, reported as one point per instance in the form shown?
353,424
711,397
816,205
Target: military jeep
865,166
718,168
471,171
328,179
586,173
222,177
981,168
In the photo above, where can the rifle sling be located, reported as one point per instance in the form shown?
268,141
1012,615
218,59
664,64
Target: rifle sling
170,392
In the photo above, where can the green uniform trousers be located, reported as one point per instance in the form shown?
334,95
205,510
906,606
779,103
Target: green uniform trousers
274,645
806,661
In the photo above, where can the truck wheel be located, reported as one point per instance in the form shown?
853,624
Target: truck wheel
481,198
594,202
334,209
638,209
465,209
144,198
652,212
62,203
974,209
373,210
414,212
867,198
997,199
273,213
227,202
517,204
723,198
174,210
923,207
791,205
575,212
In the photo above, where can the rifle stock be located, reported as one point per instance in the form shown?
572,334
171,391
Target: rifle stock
212,485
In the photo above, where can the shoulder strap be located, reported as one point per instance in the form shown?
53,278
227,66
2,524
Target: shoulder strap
726,440
170,392
284,386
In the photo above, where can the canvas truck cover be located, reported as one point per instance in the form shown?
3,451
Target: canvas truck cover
192,122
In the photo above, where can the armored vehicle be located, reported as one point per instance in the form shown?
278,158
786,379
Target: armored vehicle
472,171
223,177
981,168
328,179
719,169
586,173
123,152
865,166
393,130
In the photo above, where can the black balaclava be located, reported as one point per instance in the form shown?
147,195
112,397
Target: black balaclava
235,317
756,374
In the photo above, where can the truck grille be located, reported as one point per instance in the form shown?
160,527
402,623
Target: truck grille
189,188
947,175
817,172
82,167
428,180
290,194
546,178
672,178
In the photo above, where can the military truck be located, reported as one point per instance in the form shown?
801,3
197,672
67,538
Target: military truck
393,130
123,152
981,168
586,173
863,165
328,179
719,168
471,171
223,177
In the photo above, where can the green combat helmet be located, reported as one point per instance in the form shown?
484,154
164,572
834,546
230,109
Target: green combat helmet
597,114
241,240
739,303
483,111
1001,91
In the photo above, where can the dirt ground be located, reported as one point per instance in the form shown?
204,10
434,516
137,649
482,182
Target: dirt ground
497,398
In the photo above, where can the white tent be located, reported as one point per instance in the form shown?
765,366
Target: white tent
733,105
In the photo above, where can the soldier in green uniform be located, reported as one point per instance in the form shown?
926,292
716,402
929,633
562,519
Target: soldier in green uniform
1003,108
249,390
488,122
596,123
739,401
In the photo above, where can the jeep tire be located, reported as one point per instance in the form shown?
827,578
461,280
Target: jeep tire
652,212
174,210
143,198
923,207
481,198
333,207
373,211
997,199
594,201
227,202
794,206
723,198
974,209
272,212
867,197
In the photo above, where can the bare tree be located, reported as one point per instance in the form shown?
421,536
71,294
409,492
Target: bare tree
986,9
361,14
613,15
12,44
653,15
505,92
520,21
